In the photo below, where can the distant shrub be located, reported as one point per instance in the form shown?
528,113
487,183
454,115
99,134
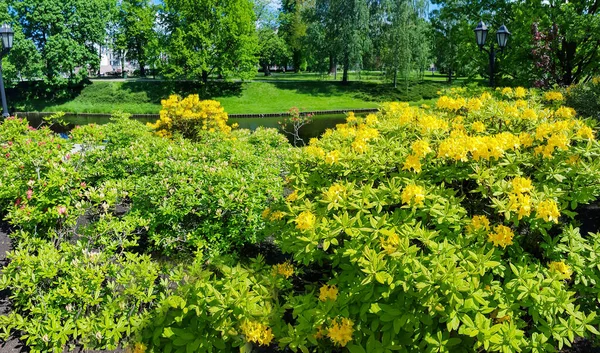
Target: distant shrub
585,98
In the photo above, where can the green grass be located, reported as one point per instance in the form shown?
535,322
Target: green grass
144,96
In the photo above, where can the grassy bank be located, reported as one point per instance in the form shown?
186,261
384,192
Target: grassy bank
143,97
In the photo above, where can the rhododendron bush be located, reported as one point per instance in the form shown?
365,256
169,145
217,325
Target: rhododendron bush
450,228
445,229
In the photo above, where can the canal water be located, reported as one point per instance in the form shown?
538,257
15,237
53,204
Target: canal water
319,123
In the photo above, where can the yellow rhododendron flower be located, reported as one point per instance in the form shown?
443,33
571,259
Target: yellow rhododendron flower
332,157
565,112
341,332
335,193
478,126
529,114
479,223
371,119
305,220
522,185
328,293
507,92
314,151
526,139
292,197
285,269
548,211
421,148
553,96
389,242
520,92
414,194
502,236
359,146
257,332
266,213
586,132
276,216
520,203
561,268
412,162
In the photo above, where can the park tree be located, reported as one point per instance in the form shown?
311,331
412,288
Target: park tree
65,35
210,37
135,33
272,49
346,32
406,45
293,27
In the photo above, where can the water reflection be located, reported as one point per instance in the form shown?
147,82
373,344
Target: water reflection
319,124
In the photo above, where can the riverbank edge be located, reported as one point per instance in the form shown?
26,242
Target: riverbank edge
233,116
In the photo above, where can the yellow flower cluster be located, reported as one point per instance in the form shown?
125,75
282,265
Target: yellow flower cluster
190,114
479,223
553,96
451,104
521,185
520,92
586,132
341,332
335,193
332,157
565,113
478,126
272,216
285,269
507,92
328,293
429,124
413,193
548,211
389,242
520,203
314,151
292,197
501,236
305,221
412,162
561,268
257,332
459,145
371,119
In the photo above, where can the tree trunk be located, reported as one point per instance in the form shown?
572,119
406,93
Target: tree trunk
346,69
332,65
569,55
204,76
266,70
142,68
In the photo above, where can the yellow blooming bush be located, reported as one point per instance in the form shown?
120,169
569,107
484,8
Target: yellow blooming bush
449,228
189,116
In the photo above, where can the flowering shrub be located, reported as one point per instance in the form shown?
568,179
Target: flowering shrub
449,229
585,98
189,116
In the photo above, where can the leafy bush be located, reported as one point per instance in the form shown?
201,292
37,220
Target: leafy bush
448,229
585,98
73,295
189,116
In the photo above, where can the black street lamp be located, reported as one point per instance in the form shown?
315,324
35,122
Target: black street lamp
502,35
7,35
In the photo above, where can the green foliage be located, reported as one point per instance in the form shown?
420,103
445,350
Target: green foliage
272,49
63,35
75,295
135,31
209,37
585,98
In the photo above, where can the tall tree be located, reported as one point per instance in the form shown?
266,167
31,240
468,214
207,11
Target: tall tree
65,33
136,22
210,36
293,29
272,49
406,41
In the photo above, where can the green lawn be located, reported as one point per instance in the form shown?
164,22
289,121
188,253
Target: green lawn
144,96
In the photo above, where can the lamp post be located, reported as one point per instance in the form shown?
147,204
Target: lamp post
7,35
502,35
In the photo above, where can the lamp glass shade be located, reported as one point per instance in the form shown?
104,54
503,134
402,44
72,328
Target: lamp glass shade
7,36
481,32
502,36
